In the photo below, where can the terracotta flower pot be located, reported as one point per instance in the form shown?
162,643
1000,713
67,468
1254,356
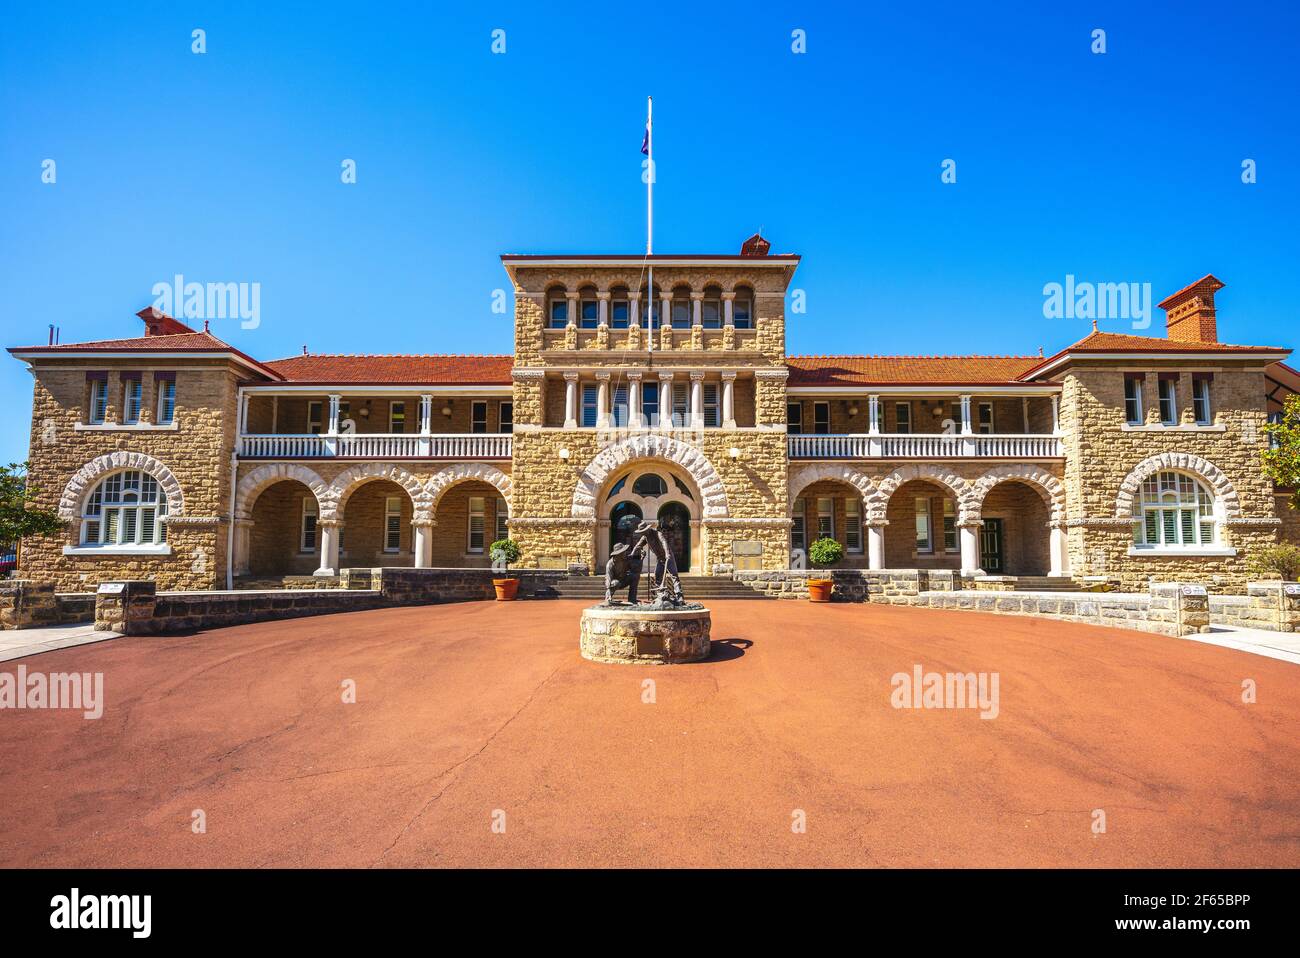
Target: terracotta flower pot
819,590
506,589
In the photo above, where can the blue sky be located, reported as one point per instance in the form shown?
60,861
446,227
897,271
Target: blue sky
225,166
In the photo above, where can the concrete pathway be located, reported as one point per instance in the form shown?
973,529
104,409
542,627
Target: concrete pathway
18,643
1275,645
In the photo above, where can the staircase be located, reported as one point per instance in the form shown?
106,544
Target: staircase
696,588
1045,583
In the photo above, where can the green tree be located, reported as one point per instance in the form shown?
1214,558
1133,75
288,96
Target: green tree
1282,460
18,519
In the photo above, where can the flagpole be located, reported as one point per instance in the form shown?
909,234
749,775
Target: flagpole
650,217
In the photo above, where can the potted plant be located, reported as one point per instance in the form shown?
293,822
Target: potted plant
504,552
824,552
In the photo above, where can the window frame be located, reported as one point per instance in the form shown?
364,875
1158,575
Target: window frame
132,399
924,526
392,525
821,406
742,305
794,424
506,416
501,519
1133,407
475,419
903,424
712,407
310,510
1187,501
97,406
559,304
588,390
396,417
980,422
1201,397
315,417
825,506
129,509
853,525
165,387
1171,401
481,514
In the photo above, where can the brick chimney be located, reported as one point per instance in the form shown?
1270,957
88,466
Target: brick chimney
755,246
1189,313
158,323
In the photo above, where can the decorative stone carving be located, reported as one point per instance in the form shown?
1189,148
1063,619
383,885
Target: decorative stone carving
448,476
1224,493
650,446
85,478
255,481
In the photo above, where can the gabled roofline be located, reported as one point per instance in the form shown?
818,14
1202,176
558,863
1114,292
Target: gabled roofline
29,353
1216,355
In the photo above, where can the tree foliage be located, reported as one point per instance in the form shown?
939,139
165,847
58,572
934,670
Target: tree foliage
18,518
1282,460
825,552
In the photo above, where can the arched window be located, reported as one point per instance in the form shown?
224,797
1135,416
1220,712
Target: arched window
650,484
125,509
557,308
1174,510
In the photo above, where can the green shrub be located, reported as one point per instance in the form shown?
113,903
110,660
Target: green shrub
825,552
1274,562
504,552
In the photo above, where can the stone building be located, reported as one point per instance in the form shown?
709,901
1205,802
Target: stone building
175,457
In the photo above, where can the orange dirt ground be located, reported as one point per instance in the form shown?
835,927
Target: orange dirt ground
466,711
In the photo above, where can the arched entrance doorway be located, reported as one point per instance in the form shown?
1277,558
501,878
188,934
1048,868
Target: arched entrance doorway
652,490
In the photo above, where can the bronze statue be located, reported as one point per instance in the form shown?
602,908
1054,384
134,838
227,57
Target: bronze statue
667,586
623,571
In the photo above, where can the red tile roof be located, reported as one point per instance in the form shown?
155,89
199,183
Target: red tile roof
919,370
395,370
1100,342
190,342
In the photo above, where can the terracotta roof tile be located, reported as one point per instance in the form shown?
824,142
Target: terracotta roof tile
881,370
1123,342
181,341
396,370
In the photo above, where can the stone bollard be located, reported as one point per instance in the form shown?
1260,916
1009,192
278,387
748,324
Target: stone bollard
1184,607
1277,603
125,607
25,604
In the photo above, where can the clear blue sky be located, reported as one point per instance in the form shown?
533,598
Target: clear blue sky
225,166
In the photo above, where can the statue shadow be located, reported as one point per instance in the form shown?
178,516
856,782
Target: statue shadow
724,650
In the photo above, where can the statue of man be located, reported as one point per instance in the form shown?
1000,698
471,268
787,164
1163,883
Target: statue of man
667,585
623,571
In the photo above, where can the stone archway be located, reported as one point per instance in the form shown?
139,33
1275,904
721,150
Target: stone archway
84,479
652,447
1043,482
1224,493
967,505
258,479
445,478
347,481
805,476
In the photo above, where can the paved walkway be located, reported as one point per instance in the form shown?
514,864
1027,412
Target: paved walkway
1275,645
17,643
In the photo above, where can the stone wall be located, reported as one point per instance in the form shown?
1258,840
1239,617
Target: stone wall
29,605
430,586
1266,605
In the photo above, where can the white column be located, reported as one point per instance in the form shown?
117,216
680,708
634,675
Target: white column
970,548
243,532
243,410
697,309
573,309
422,542
666,401
570,400
665,308
329,546
426,414
728,309
697,400
966,429
1059,552
875,547
634,309
602,305
728,400
873,414
334,414
602,400
1056,414
634,401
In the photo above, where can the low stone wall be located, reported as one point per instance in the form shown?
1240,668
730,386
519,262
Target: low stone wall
428,586
134,608
28,605
1266,605
852,585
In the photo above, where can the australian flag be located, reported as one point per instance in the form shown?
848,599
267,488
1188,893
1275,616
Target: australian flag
645,141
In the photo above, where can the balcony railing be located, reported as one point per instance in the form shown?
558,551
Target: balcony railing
924,446
376,446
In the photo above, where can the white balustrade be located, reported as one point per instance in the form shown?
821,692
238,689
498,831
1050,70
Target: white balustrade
377,446
924,446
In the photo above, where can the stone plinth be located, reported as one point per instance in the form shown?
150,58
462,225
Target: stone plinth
628,635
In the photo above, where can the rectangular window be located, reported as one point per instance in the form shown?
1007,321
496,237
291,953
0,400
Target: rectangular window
650,403
1133,400
1201,399
794,417
478,416
712,314
618,314
166,401
590,312
821,418
506,417
923,541
681,405
880,417
559,313
502,517
681,314
1168,402
711,405
397,417
98,400
307,537
902,417
740,315
797,538
986,418
589,396
825,518
314,416
475,543
132,393
392,523
852,525
620,408
949,526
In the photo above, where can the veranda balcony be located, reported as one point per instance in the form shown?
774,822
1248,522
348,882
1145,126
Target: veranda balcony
925,446
375,446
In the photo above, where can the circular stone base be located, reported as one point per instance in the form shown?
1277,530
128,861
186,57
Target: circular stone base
645,638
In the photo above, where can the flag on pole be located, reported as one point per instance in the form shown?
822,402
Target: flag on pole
645,141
